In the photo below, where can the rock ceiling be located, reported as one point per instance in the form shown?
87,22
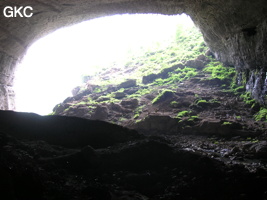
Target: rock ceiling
233,29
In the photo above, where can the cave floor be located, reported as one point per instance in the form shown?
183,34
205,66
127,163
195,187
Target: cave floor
152,167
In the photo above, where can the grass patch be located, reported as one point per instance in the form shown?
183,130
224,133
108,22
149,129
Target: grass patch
218,70
226,123
261,115
183,113
174,104
248,99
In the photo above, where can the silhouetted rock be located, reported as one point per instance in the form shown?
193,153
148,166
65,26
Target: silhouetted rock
65,131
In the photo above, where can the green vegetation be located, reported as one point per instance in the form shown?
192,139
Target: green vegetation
167,60
122,119
238,89
193,118
174,104
248,99
90,101
185,116
187,45
81,103
218,71
120,90
261,115
177,76
205,103
140,93
238,117
252,140
138,111
193,44
201,101
226,123
162,96
183,113
168,69
97,90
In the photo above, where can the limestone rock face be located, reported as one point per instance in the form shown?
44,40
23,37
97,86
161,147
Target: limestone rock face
234,30
7,64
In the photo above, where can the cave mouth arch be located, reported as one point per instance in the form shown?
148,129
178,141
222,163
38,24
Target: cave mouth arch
52,70
233,30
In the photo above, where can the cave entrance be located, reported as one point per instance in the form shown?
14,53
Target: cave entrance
54,65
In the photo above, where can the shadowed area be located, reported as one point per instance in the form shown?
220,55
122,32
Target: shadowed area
55,157
65,131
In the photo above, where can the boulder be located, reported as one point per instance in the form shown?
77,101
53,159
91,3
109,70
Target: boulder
111,88
128,83
198,64
75,90
218,127
149,78
59,108
163,96
129,103
68,99
259,148
165,72
158,124
116,107
130,90
119,95
101,113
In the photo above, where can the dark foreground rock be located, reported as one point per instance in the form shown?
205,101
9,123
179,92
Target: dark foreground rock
135,167
65,131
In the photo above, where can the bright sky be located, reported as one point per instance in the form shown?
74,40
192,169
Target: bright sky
53,65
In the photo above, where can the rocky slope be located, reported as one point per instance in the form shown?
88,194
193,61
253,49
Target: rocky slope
197,140
191,97
204,111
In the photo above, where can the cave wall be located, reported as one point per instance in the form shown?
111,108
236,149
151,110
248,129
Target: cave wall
233,29
7,67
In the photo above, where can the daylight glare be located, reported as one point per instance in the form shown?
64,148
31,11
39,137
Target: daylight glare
54,65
